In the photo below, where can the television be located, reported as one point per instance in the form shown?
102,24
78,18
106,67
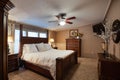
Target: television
98,28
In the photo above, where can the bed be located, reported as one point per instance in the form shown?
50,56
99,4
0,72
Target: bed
63,65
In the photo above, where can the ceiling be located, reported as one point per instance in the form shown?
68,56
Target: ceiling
39,12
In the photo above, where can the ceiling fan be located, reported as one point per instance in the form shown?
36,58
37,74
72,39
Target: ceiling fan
62,20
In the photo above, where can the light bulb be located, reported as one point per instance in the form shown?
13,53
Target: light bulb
62,23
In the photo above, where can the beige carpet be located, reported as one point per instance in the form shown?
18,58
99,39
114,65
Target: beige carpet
85,70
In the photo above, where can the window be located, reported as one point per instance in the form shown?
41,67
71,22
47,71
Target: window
43,35
17,41
32,34
24,33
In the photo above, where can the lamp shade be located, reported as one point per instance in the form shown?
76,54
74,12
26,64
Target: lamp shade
10,39
51,40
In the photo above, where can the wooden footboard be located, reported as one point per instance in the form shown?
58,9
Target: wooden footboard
38,69
63,65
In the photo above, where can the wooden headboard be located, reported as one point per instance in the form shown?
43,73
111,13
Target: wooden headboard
30,40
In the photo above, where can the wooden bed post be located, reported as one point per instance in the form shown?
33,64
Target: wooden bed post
63,65
75,56
59,69
20,49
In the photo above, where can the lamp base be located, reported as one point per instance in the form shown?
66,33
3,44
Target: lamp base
8,49
106,54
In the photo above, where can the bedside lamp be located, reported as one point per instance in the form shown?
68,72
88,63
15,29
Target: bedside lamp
10,40
51,41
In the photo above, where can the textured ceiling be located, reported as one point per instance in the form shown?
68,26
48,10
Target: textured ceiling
39,12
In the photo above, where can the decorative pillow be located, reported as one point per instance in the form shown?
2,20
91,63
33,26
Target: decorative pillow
29,48
40,47
43,47
47,46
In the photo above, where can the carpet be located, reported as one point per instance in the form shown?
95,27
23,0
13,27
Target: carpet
86,69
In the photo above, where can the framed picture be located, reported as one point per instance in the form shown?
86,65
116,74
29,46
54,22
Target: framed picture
73,33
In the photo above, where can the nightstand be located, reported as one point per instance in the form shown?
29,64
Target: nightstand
12,62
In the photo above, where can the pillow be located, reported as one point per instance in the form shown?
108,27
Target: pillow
29,48
47,46
40,47
43,47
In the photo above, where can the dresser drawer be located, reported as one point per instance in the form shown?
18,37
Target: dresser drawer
72,47
72,44
13,64
73,40
12,67
12,61
12,56
75,46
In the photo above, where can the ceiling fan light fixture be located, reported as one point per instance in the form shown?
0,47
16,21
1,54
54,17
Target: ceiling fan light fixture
62,20
62,23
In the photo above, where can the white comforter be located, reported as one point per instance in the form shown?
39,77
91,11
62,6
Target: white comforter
46,59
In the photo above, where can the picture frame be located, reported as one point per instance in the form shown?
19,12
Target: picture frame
73,33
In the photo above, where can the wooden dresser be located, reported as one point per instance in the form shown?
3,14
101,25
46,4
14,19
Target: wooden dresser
74,44
108,68
12,62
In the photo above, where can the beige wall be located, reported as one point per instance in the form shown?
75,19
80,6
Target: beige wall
114,13
61,37
91,45
52,35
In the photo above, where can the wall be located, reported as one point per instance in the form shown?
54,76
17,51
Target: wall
52,35
114,13
91,45
61,37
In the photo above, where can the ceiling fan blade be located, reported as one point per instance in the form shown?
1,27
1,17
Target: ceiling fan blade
58,17
69,22
71,18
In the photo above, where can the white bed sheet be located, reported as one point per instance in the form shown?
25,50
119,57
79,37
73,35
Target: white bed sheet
46,59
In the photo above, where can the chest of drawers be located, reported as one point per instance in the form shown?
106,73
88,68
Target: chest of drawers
74,44
12,62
